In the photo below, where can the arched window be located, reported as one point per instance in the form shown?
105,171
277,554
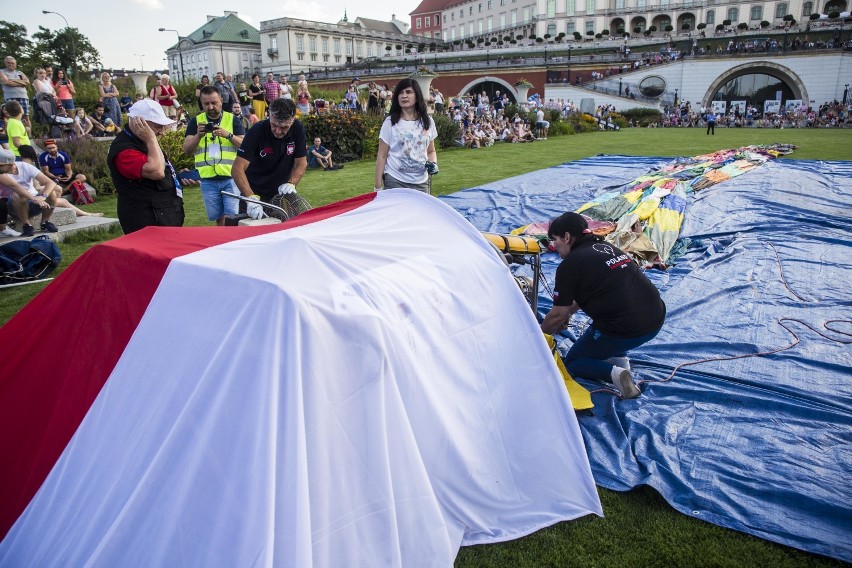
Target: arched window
781,10
807,9
711,17
756,13
551,29
733,15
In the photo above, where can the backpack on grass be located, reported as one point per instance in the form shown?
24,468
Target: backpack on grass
80,194
22,260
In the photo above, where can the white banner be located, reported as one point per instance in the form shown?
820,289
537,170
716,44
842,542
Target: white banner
720,107
738,105
792,106
771,106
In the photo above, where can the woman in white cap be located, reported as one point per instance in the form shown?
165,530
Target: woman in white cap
149,192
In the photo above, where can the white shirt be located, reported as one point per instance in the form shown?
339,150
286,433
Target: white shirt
408,142
25,176
286,91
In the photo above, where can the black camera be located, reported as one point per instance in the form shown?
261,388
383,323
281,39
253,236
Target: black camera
208,128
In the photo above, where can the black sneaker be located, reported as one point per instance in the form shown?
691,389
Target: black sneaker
28,231
48,227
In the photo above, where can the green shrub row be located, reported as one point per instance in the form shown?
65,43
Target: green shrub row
641,116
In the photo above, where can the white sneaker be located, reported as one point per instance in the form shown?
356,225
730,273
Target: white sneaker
623,379
64,120
10,232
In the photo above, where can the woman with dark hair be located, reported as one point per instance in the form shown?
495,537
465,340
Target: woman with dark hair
258,96
625,307
407,154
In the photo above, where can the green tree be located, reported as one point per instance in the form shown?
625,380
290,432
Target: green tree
14,41
67,48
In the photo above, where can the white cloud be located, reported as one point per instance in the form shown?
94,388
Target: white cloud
151,4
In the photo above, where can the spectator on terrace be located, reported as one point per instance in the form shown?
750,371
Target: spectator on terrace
15,85
271,88
285,89
244,99
303,98
258,96
166,95
351,99
42,84
109,95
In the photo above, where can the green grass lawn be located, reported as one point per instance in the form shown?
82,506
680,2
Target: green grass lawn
639,529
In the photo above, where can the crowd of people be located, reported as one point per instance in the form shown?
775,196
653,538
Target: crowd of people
688,115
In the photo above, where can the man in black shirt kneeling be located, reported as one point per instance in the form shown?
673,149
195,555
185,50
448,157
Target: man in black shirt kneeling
625,307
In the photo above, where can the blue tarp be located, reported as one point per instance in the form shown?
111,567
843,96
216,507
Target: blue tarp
762,445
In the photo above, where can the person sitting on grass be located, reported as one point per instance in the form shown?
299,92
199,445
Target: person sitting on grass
320,157
29,156
16,187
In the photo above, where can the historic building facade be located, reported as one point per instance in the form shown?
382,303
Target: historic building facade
224,43
473,19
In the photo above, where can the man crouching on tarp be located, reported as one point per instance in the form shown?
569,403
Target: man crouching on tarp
625,307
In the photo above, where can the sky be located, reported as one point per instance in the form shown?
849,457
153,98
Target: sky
126,35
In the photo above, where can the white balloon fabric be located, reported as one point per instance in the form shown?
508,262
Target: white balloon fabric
370,389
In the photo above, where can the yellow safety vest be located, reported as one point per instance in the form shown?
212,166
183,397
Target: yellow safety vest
208,165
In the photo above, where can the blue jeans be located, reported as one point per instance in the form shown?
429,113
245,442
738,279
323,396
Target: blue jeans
218,205
587,357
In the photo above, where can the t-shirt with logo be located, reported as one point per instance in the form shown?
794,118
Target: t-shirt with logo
610,288
271,159
56,165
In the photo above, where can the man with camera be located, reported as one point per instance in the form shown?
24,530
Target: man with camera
213,138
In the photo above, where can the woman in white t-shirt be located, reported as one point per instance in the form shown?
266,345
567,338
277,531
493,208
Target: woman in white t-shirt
407,154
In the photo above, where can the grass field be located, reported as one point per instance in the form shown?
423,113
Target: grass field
639,529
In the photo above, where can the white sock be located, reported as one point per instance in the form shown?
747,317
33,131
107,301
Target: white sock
622,362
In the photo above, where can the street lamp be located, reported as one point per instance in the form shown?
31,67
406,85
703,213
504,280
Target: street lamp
570,48
67,27
141,64
675,102
180,53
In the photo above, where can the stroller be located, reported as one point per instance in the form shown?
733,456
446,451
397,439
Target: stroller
45,112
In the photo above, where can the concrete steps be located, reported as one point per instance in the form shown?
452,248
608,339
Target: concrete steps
67,222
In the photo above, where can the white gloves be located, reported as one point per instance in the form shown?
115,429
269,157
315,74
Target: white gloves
255,209
286,188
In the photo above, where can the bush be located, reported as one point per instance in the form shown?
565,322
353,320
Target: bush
641,116
89,157
560,128
373,125
341,132
448,131
171,142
